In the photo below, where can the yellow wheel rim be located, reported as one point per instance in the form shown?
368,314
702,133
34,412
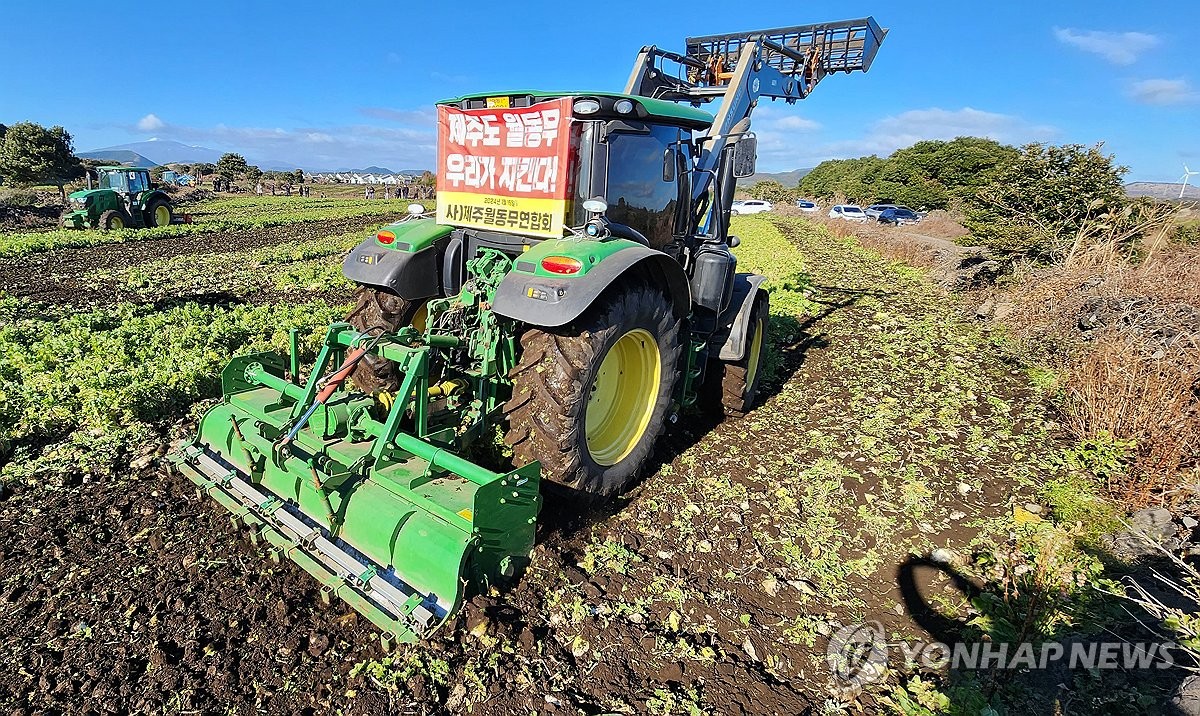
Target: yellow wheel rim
162,216
420,317
755,354
118,222
623,397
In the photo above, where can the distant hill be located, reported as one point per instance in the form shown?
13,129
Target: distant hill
1160,190
119,156
164,151
788,179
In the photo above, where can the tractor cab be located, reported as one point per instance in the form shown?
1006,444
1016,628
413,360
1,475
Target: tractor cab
124,198
124,180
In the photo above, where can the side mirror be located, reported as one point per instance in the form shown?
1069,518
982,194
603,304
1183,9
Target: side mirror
745,155
670,161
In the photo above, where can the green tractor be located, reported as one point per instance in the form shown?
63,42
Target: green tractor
124,199
574,293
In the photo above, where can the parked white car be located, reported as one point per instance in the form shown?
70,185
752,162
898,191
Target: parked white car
807,206
750,206
849,212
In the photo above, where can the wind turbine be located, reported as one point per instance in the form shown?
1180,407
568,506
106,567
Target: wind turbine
1184,180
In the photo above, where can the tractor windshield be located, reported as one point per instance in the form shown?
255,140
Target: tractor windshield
138,181
636,194
114,180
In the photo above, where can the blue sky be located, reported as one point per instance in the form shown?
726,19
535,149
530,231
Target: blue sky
351,84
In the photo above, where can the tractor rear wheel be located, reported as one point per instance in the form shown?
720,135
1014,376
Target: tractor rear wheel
380,310
113,220
590,399
158,213
740,380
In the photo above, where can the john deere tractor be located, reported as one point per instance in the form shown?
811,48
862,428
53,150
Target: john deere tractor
124,199
574,292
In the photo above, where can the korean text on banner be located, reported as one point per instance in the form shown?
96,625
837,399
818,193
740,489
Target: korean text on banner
505,169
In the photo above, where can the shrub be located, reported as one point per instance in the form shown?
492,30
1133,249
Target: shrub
1039,204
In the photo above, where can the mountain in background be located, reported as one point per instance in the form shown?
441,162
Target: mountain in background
161,151
118,156
788,179
1160,190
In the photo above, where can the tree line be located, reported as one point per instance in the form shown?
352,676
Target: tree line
1014,200
31,154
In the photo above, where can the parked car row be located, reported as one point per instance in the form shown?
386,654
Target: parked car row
894,214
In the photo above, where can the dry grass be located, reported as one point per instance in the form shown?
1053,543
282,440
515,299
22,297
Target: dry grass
1124,338
1118,389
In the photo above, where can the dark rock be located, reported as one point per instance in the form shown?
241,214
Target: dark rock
1186,699
1155,522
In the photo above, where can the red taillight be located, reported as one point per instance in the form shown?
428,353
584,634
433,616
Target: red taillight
561,264
385,237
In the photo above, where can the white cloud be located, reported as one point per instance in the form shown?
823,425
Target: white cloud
788,150
1161,91
1120,48
797,124
150,123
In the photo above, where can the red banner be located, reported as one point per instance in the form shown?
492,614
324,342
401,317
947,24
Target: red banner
505,169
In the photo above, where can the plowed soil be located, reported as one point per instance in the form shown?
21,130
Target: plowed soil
69,276
710,588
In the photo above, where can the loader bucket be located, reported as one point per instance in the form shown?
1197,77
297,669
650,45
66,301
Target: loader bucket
395,524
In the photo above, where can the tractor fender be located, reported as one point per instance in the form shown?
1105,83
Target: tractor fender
149,196
736,319
553,302
411,275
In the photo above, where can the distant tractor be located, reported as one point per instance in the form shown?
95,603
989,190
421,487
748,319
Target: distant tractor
124,199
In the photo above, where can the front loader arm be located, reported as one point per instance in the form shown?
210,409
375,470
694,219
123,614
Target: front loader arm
738,69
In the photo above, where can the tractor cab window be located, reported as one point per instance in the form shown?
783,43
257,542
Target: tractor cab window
137,182
113,180
637,196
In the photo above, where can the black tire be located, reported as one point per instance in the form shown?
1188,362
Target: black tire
740,380
151,214
113,220
376,309
733,212
554,381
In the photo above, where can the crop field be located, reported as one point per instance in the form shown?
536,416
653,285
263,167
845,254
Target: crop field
893,429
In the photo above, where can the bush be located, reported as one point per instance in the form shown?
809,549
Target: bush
773,192
1039,204
1187,233
24,198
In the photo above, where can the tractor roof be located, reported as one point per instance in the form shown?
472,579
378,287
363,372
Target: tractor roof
672,112
123,169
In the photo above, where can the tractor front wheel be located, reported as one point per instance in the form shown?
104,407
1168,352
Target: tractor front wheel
590,400
740,380
376,310
158,214
112,220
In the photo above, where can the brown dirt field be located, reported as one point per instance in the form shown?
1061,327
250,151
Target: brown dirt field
711,587
70,276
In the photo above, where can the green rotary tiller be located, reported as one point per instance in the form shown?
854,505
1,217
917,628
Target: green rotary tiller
369,493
